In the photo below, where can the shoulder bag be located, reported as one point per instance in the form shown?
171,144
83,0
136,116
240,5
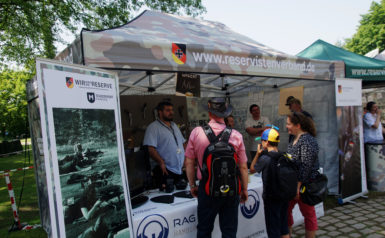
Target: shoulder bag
315,191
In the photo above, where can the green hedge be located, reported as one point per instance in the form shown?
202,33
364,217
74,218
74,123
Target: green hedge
10,146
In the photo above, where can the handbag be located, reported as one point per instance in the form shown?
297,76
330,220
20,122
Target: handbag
315,191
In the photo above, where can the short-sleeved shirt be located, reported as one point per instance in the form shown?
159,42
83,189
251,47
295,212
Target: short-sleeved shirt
168,143
371,134
307,114
263,166
250,122
198,143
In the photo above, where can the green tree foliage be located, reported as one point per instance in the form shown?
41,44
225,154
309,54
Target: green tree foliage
13,103
371,32
30,28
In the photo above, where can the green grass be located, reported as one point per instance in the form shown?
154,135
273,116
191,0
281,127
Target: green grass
28,207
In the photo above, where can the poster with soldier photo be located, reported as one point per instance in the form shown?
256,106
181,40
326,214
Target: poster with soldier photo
90,178
82,140
350,138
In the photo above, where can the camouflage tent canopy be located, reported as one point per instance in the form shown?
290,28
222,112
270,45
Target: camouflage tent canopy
149,50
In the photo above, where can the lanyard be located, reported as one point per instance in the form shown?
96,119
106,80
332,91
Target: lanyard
171,130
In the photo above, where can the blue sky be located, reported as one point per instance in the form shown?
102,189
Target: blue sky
289,25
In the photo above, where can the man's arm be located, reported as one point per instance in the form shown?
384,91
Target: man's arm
190,172
89,214
369,120
378,121
156,156
244,181
255,159
249,125
255,131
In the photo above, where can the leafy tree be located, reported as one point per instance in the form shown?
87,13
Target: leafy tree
32,27
13,103
371,32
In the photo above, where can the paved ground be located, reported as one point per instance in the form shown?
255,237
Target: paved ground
363,219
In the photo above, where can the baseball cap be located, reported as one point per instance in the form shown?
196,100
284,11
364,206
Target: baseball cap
288,100
271,135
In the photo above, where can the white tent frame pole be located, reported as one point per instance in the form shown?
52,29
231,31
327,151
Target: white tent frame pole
240,82
287,83
223,81
212,80
214,90
150,80
140,79
255,82
211,87
165,81
132,86
248,86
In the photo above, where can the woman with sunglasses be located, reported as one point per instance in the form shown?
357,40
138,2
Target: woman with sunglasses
304,149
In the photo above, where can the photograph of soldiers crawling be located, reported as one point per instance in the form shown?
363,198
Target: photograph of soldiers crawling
79,160
96,210
91,184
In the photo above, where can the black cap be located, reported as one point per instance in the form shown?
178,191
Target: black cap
289,98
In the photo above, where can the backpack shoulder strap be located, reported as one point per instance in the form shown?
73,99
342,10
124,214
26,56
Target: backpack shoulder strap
225,134
275,155
209,133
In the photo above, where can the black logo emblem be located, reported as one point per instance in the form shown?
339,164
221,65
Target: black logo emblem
91,97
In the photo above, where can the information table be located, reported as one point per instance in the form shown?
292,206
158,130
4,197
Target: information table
179,219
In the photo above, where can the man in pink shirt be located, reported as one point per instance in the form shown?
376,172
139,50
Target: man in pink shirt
208,206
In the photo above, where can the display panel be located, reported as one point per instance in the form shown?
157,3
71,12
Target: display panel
83,151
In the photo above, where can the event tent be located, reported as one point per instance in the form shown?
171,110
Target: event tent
356,66
149,52
157,43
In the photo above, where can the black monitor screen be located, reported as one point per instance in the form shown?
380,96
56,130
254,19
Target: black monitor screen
138,171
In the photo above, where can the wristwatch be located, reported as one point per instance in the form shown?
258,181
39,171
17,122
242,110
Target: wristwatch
193,185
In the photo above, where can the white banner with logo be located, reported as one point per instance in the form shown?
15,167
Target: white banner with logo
85,167
179,219
352,174
348,92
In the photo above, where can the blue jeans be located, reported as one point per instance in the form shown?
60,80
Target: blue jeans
209,207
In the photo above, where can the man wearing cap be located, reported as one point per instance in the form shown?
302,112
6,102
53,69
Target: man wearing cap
209,207
294,105
254,127
275,208
165,145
